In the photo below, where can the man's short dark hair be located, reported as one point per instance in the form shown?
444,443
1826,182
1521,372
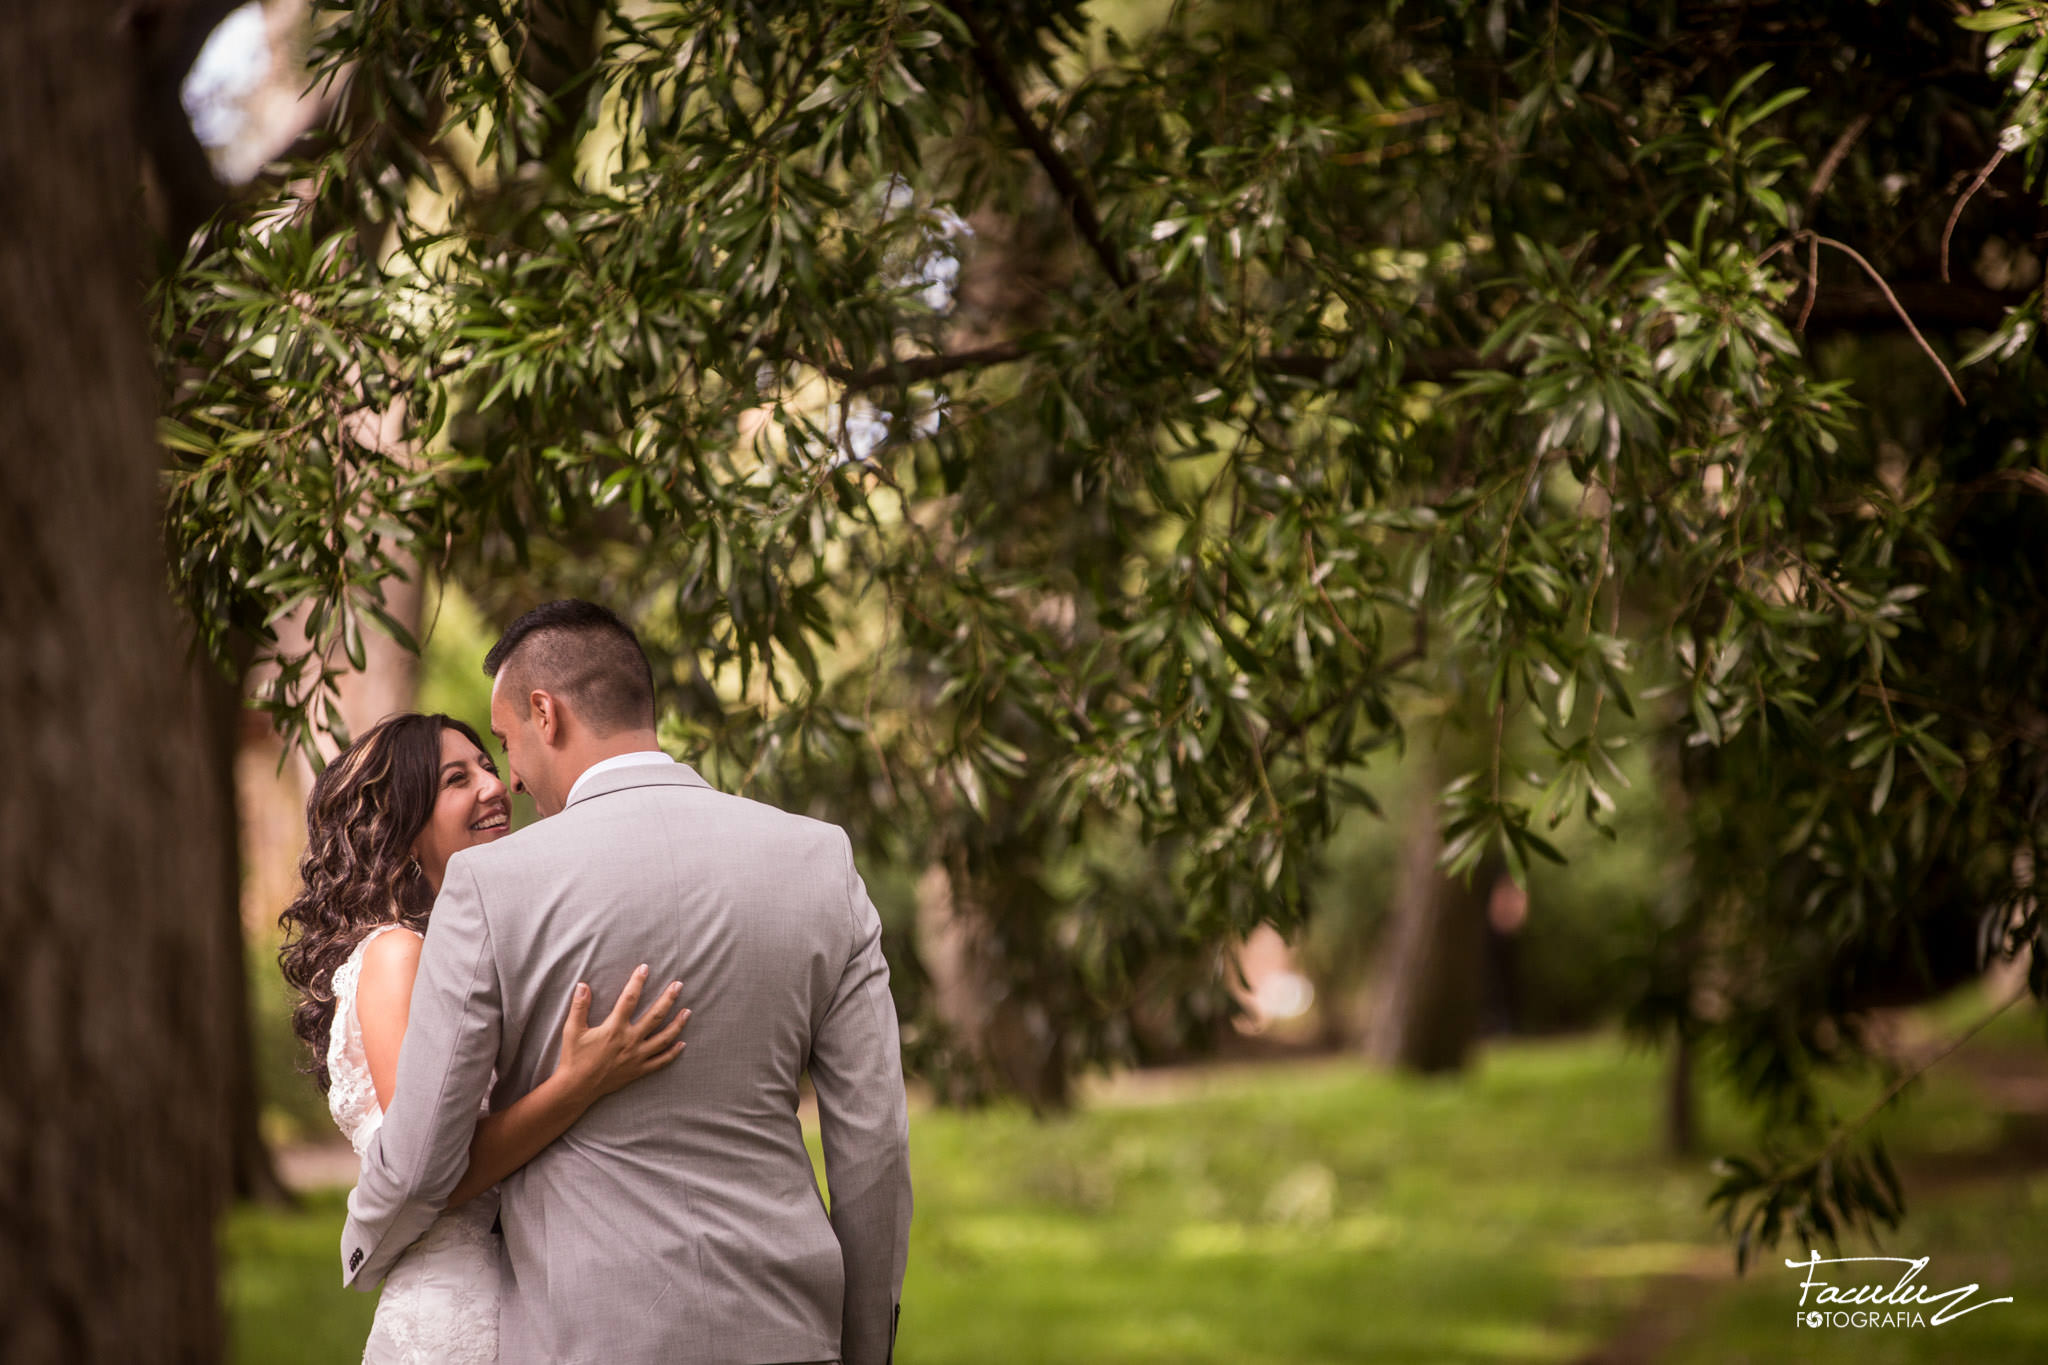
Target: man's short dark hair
584,654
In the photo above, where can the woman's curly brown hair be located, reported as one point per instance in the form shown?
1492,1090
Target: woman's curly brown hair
358,871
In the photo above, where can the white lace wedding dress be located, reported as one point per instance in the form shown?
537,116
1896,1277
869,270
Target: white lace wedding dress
440,1301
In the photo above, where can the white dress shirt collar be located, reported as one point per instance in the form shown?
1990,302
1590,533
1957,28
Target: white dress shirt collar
605,765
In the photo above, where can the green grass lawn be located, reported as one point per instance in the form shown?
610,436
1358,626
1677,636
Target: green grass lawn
1995,1236
1976,1209
1318,1212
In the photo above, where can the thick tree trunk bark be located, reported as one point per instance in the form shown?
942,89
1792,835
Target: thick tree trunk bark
1428,992
113,1132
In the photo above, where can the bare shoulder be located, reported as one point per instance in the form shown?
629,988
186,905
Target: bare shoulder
395,954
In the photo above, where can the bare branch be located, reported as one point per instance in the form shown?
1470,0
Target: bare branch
1934,306
1839,152
915,368
1440,366
1812,283
1853,254
1080,204
1956,213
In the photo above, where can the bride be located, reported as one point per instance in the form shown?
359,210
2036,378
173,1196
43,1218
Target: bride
381,824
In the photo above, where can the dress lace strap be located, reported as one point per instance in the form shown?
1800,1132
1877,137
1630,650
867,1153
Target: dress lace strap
351,1097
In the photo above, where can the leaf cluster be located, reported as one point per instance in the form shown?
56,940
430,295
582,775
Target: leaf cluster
1021,446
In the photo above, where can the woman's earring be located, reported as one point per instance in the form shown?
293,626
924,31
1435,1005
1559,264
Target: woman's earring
417,870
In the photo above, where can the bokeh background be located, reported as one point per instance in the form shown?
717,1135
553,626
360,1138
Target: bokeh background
1278,1195
1426,617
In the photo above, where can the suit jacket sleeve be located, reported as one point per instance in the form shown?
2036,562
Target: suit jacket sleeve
444,1068
856,1068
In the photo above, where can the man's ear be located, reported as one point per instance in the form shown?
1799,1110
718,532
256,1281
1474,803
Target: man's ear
547,716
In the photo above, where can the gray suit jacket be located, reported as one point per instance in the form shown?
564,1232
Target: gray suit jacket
679,1219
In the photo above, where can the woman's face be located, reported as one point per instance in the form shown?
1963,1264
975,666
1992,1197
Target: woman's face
471,807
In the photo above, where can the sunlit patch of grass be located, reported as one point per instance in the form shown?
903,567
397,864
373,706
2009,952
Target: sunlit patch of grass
1994,1235
282,1291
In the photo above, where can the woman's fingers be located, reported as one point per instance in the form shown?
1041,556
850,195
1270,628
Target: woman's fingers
629,998
657,1012
654,1061
578,1022
661,1041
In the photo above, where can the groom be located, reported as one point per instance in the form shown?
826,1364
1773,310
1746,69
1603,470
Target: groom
679,1220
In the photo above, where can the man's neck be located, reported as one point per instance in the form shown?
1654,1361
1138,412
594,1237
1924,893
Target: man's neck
624,742
616,745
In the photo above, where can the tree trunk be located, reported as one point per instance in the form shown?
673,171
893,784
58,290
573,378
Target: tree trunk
271,786
389,681
1680,1127
1429,988
1009,1043
113,1149
252,1174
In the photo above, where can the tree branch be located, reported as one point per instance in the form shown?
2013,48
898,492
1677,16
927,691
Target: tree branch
1955,216
433,375
1857,127
1893,299
1080,205
1934,306
915,368
1843,307
167,36
1438,366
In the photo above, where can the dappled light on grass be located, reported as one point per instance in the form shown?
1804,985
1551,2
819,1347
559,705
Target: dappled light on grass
1995,1235
1305,1213
1318,1212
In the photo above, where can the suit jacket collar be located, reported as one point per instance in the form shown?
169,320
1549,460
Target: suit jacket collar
639,775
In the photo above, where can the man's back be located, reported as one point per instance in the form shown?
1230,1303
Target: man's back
679,1219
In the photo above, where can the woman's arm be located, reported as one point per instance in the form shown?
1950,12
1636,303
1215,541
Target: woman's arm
594,1060
384,1005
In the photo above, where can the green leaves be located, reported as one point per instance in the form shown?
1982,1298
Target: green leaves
1815,1200
1477,824
1020,447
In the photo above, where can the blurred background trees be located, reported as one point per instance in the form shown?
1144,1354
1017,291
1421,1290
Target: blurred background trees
1096,453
